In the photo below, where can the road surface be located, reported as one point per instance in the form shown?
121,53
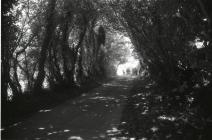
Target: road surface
93,116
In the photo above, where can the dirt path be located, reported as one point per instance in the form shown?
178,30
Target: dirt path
94,115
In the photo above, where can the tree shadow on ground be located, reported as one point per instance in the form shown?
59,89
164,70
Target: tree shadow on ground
152,115
94,115
28,104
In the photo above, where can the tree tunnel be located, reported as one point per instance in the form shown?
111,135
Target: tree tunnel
68,42
141,66
65,42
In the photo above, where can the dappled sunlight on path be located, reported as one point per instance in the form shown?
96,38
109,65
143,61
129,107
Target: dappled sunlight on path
150,114
95,115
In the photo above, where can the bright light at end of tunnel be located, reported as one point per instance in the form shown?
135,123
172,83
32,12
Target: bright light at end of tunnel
128,67
120,72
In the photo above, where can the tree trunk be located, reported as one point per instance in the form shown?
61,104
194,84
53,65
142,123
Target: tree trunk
80,67
56,66
16,80
47,39
78,47
5,78
65,48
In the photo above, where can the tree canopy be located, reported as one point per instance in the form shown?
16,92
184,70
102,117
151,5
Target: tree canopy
66,42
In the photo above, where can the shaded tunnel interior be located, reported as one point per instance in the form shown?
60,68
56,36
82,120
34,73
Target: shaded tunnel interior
141,69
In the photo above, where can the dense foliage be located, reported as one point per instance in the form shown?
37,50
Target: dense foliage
54,43
166,34
50,43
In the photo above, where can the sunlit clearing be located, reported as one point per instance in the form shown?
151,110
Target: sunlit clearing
131,67
124,57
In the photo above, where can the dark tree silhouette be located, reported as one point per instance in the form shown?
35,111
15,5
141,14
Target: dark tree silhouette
46,42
